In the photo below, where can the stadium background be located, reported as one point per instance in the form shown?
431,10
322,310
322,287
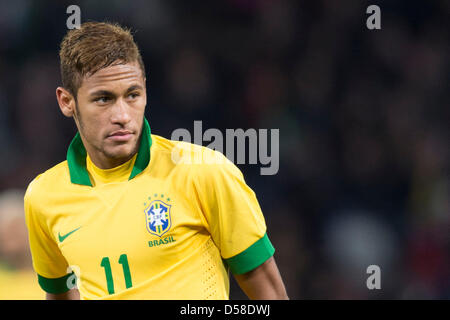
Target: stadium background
363,118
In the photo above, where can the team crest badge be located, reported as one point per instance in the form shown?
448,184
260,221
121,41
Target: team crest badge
158,217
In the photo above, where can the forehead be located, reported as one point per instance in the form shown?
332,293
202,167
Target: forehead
112,77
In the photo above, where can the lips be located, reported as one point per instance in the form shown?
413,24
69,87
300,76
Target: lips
121,135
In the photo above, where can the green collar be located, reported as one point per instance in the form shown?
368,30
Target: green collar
76,157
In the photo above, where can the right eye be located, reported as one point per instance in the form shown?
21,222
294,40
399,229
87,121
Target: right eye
102,100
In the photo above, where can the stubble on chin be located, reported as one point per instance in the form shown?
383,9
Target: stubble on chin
120,154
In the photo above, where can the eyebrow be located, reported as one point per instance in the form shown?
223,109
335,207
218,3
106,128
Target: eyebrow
100,93
135,87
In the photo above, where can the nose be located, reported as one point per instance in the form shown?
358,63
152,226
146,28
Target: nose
120,112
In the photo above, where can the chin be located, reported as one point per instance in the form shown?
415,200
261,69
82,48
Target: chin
120,151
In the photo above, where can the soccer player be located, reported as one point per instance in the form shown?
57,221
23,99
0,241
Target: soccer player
122,214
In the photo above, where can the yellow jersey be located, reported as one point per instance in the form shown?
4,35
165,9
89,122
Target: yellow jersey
154,227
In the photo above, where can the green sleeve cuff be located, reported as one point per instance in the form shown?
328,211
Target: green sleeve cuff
54,286
252,257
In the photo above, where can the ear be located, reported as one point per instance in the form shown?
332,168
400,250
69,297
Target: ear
66,101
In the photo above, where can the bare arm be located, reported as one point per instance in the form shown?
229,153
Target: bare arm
72,294
263,282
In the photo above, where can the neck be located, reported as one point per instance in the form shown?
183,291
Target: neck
103,162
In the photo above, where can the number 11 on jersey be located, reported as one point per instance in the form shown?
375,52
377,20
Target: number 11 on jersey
123,260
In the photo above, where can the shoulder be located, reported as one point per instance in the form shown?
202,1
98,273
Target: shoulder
198,162
189,154
176,149
47,183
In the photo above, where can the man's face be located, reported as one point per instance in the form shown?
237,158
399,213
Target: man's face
109,113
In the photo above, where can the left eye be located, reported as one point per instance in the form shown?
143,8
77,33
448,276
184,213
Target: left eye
102,99
133,95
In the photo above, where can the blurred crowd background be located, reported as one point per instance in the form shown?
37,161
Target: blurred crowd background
363,118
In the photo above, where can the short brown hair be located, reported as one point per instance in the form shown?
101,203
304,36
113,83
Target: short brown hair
94,46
